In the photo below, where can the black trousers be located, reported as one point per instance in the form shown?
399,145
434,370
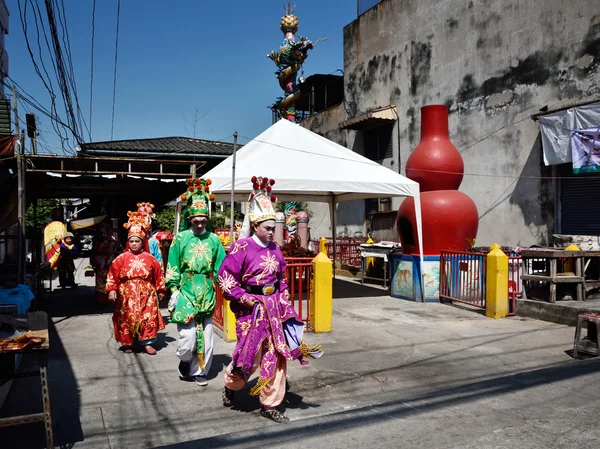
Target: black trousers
66,278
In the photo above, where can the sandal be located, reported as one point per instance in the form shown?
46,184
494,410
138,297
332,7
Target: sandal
274,415
127,349
227,397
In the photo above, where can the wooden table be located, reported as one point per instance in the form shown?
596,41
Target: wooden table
541,265
37,325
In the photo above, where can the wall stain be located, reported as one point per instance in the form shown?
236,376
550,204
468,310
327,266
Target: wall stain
452,24
538,69
412,126
420,65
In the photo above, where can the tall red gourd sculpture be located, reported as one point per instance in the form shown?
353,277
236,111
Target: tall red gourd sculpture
450,217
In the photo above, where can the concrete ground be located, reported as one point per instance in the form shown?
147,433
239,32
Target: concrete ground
395,374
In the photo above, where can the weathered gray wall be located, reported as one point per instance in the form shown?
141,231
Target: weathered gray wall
494,63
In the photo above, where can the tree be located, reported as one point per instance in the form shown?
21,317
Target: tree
165,219
45,207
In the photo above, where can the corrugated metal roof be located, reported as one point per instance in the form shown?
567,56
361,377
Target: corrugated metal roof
165,145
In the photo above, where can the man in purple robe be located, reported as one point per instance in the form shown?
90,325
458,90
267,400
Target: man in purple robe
269,331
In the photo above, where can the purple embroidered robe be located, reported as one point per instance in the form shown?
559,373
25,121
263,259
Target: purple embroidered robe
262,326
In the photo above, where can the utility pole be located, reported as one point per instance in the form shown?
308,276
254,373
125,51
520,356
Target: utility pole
231,224
20,194
21,207
16,109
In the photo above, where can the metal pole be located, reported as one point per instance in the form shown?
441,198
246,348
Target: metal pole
21,208
16,109
231,224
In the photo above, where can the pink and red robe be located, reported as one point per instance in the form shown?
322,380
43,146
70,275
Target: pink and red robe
137,279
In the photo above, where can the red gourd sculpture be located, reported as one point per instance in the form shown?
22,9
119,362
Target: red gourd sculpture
450,218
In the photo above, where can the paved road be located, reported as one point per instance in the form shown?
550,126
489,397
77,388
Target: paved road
395,374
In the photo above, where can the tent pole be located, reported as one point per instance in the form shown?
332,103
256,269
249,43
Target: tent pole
231,224
417,200
332,211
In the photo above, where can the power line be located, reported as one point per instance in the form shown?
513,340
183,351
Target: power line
62,17
112,126
62,74
92,65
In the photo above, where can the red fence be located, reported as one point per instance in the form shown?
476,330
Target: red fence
298,274
515,286
462,277
347,250
218,319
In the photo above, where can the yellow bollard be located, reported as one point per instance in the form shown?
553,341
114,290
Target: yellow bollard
495,246
322,247
321,293
370,261
496,295
229,322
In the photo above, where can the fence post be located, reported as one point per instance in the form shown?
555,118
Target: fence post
321,292
496,295
228,322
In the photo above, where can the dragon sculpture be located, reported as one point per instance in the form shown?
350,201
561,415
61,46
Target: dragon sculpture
289,60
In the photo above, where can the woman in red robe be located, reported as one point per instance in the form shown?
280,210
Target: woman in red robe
135,283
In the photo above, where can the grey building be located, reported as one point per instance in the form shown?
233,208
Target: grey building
495,64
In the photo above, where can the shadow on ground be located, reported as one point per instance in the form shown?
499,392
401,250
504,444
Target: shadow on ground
25,397
352,288
398,408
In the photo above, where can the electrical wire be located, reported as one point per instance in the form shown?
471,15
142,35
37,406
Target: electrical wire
92,64
112,126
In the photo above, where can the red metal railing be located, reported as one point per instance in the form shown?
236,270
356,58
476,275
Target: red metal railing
515,286
298,275
462,277
218,319
347,250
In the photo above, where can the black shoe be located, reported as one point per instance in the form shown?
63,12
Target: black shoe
184,369
274,415
227,397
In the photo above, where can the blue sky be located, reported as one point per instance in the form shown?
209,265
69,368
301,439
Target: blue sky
176,57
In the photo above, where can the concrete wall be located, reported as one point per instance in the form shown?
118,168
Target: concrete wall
494,63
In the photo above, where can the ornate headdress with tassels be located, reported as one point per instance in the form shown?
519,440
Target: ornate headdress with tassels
147,209
137,226
197,199
260,207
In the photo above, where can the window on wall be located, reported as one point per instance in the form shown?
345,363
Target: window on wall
378,143
377,205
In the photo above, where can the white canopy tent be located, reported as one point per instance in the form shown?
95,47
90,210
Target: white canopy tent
309,167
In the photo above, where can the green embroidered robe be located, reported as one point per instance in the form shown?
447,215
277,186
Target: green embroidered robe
192,261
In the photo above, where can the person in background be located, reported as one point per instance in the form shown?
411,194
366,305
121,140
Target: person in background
269,330
135,283
147,209
195,257
104,250
66,264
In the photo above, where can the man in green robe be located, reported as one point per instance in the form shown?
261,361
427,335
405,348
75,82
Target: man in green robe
194,259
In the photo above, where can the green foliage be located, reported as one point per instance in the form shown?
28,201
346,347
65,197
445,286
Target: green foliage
165,219
220,220
44,215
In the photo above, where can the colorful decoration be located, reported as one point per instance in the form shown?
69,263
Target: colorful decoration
289,60
197,197
450,218
53,233
291,223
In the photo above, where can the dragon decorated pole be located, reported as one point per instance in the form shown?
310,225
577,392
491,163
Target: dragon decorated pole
289,60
